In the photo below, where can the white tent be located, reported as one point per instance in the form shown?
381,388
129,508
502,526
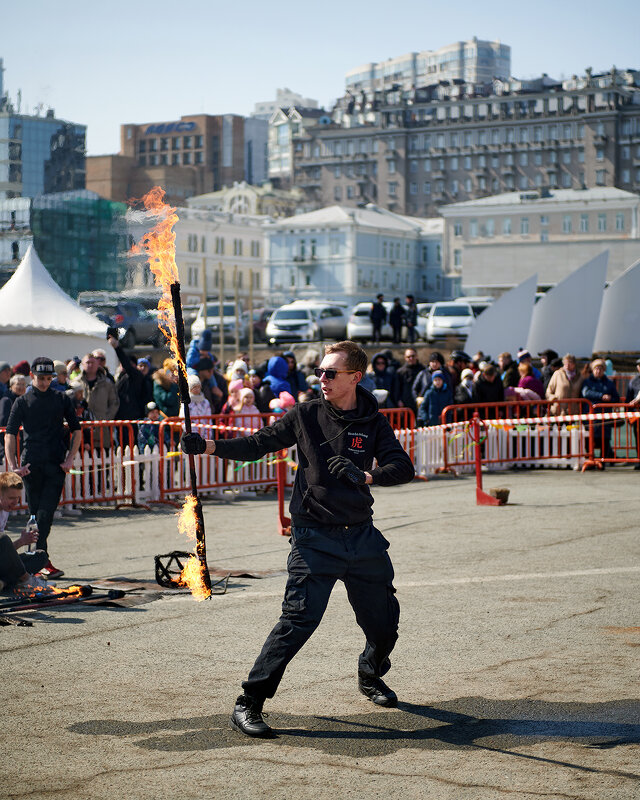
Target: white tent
38,319
505,324
566,318
619,322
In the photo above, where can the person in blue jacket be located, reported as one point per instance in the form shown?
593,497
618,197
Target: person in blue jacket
437,397
600,389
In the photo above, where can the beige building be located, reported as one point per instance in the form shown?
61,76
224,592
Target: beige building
496,242
210,244
242,198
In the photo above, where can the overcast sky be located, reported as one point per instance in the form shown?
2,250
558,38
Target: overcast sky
111,63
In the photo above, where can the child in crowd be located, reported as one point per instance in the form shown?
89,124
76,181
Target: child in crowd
199,405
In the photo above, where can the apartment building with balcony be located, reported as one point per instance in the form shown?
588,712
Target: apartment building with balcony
413,151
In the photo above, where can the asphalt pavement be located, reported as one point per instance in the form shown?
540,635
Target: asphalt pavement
516,666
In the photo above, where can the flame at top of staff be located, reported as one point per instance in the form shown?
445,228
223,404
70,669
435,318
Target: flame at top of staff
159,245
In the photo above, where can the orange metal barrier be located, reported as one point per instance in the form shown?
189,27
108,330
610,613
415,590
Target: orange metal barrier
403,422
524,435
613,432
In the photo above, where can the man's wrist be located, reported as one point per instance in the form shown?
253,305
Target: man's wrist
211,447
368,478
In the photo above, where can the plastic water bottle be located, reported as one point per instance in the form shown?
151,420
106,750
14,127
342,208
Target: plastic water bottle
32,525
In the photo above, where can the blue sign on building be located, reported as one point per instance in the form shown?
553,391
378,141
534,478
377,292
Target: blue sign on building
171,127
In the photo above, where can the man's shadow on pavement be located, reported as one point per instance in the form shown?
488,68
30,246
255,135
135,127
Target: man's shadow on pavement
466,723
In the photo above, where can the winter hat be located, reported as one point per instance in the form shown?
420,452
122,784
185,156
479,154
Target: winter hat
239,366
438,374
21,368
466,373
235,386
59,367
206,337
523,354
193,381
246,392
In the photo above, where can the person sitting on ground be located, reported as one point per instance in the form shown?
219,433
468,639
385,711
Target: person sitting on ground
18,572
565,383
437,398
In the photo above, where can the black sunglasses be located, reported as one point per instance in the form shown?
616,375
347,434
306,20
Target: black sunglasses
331,373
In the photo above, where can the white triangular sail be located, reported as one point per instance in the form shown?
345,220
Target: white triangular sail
619,324
566,318
505,324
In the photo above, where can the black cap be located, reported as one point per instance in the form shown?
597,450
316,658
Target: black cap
460,355
43,366
203,364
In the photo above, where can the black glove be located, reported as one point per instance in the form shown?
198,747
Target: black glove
345,470
193,444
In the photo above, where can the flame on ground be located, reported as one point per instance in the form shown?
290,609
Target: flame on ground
192,574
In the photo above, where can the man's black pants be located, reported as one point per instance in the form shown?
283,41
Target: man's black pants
43,487
356,555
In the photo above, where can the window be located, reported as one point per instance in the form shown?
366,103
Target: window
620,221
602,223
508,160
482,183
153,160
506,226
337,193
255,249
495,161
175,158
220,245
142,147
566,180
523,182
584,223
426,187
457,258
581,155
490,227
599,153
164,143
392,187
454,162
553,178
566,223
198,157
349,171
482,161
198,141
413,188
524,226
237,247
626,176
186,158
350,192
473,228
524,134
467,139
553,157
544,236
153,145
413,166
454,187
457,229
427,165
524,159
337,171
626,152
467,185
544,219
537,159
537,134
566,131
467,162
600,177
391,166
203,244
566,157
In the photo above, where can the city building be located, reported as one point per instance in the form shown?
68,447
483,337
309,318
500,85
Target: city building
494,243
473,61
347,254
413,150
285,125
285,98
242,198
38,152
15,233
81,239
197,154
210,244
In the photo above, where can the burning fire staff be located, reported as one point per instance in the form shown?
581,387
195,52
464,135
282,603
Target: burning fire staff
332,536
45,458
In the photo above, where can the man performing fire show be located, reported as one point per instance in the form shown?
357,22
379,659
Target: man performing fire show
332,535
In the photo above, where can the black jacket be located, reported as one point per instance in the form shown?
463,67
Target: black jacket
321,431
42,414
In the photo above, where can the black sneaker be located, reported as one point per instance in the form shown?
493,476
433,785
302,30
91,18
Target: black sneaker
377,690
247,718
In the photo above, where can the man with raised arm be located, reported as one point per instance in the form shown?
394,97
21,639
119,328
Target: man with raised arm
332,536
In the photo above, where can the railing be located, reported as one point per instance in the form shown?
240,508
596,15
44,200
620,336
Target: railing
614,430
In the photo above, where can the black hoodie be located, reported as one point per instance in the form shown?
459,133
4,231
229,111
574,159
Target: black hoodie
320,430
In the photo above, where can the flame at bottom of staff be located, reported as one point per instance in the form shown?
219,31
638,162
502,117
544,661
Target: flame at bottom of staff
192,574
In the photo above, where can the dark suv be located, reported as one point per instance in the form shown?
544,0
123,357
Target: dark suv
136,324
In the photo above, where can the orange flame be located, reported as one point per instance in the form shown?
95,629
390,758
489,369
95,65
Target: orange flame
159,245
192,574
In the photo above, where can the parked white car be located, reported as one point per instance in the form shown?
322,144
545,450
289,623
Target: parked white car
478,304
359,326
423,314
293,323
331,317
213,322
449,319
